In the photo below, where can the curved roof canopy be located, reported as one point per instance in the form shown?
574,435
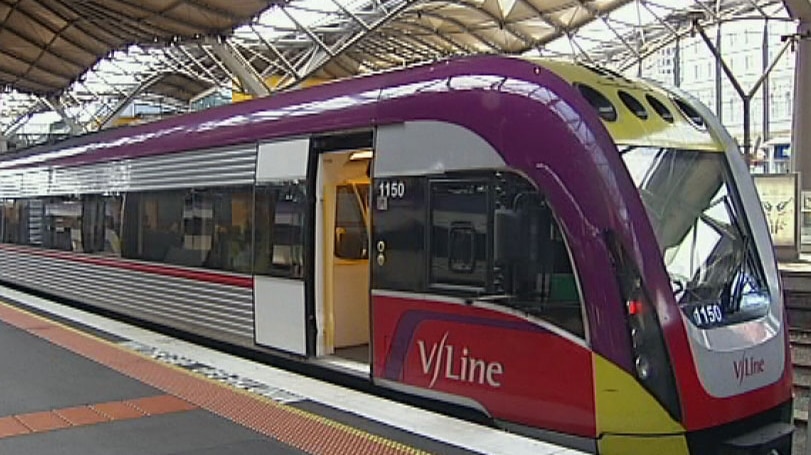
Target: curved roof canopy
45,45
93,56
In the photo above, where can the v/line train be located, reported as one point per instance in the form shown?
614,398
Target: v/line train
580,256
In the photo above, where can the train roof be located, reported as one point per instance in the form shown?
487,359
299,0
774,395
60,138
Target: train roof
635,111
353,100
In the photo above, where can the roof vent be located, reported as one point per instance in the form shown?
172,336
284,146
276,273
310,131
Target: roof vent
660,108
633,104
598,101
691,114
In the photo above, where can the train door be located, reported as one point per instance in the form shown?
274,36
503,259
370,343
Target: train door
342,245
280,208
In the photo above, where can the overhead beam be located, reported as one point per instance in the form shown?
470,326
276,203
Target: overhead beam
123,103
248,78
391,14
57,107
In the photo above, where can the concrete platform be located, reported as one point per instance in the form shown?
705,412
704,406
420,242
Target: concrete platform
77,383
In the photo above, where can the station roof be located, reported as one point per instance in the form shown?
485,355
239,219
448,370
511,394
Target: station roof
46,45
92,54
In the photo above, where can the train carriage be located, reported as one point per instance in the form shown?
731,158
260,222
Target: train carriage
578,256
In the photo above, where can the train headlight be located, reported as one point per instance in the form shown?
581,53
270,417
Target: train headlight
636,337
651,359
642,368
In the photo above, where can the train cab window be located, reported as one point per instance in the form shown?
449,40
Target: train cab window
533,265
459,233
279,233
489,237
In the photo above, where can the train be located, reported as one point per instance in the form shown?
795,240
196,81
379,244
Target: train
577,255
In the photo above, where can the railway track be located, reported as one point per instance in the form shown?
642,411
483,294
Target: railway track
801,361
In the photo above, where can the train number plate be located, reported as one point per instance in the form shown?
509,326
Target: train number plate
706,314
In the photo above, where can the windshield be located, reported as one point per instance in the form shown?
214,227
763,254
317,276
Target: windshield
701,232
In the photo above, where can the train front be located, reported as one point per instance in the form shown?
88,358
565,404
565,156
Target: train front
728,382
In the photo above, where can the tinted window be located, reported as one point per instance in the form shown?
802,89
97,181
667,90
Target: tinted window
446,243
660,108
459,233
598,101
351,212
101,224
279,234
22,222
633,104
540,279
689,113
63,224
153,226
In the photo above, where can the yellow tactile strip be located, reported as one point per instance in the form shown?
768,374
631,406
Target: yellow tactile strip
79,416
300,429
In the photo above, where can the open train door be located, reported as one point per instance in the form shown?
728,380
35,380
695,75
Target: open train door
280,298
342,248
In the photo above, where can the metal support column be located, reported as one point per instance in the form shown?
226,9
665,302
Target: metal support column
677,63
764,66
800,132
719,99
746,96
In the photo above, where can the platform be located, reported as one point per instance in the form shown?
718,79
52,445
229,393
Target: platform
75,382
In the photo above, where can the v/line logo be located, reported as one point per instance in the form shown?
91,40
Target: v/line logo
748,366
456,364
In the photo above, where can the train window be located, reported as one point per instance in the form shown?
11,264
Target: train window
152,225
660,108
63,224
689,113
537,274
208,228
92,231
462,247
113,216
279,233
229,228
460,233
598,101
351,215
633,104
15,221
101,224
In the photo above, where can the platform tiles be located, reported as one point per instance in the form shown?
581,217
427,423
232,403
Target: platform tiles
296,412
